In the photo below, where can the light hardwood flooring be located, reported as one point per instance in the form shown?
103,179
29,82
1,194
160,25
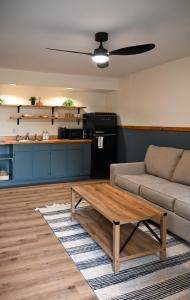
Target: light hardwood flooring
33,264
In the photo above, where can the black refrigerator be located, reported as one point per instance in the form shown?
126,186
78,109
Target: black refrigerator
102,129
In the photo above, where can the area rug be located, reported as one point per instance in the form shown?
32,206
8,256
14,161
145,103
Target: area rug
144,278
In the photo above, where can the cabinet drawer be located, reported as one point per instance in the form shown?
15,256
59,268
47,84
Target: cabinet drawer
41,147
24,147
65,146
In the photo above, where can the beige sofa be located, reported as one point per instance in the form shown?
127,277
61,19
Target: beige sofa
162,179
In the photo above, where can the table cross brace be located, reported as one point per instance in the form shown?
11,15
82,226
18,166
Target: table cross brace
133,231
78,203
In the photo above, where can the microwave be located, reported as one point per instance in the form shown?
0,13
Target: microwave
68,133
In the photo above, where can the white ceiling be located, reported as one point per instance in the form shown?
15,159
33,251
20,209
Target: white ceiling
27,27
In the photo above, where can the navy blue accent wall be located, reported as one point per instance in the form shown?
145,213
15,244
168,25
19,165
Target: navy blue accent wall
133,143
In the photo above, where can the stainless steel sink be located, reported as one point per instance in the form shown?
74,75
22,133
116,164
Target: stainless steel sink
30,141
25,141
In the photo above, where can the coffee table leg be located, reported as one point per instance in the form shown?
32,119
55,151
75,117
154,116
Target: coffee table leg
72,204
116,246
163,236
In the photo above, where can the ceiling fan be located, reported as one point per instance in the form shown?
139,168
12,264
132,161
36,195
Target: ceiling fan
101,55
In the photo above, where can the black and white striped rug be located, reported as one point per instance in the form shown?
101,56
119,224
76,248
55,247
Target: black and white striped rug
145,278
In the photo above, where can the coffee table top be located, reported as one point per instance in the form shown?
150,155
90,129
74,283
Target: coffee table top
116,205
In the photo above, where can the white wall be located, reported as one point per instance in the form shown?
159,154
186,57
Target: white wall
94,101
159,96
22,77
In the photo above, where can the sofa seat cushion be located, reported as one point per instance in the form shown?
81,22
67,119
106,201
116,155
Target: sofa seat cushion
182,170
132,183
182,208
182,203
170,195
161,161
155,194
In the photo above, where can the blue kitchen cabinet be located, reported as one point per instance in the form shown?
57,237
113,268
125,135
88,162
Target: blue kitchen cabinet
41,164
23,165
75,162
70,160
6,158
35,163
31,162
86,159
58,162
79,160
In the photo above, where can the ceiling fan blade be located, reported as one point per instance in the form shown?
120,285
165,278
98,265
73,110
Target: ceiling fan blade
133,49
78,52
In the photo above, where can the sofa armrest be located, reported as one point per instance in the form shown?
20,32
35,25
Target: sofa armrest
126,168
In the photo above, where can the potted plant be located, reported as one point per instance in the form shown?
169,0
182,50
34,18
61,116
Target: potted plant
68,102
33,100
2,101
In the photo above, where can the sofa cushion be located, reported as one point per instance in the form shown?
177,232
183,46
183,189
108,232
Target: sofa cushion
155,194
177,196
182,208
161,161
182,203
182,170
132,183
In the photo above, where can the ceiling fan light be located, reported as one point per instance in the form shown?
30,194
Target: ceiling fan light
100,59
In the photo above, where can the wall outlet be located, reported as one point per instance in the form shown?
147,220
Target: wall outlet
15,130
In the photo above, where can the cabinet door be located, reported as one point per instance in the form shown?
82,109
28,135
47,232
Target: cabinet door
23,165
86,159
41,164
59,163
79,159
74,162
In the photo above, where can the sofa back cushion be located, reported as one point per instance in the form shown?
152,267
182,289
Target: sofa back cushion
161,161
182,170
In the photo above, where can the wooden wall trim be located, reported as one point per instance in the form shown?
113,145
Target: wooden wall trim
158,128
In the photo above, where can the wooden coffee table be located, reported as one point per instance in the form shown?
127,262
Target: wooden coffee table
113,217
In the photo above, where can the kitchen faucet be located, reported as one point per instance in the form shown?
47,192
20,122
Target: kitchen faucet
27,136
17,138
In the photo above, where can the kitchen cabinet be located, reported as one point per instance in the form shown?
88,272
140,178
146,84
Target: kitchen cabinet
37,163
23,165
72,159
79,160
41,165
58,162
31,162
22,162
6,157
75,162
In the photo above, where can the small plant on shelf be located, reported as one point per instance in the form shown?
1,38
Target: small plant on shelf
33,100
2,101
68,102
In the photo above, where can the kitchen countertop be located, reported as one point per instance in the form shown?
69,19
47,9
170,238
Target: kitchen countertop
50,141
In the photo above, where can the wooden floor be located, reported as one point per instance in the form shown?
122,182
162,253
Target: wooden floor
33,264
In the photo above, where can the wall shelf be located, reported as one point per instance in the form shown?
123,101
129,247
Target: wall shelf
41,106
5,157
46,118
52,118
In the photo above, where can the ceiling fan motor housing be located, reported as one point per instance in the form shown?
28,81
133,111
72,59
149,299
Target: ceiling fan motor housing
101,37
100,51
